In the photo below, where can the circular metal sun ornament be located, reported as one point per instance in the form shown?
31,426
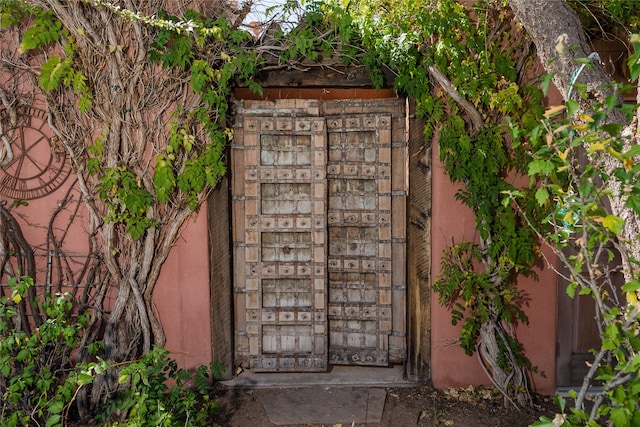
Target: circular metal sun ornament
38,167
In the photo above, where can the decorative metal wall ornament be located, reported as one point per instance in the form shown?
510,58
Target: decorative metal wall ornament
39,166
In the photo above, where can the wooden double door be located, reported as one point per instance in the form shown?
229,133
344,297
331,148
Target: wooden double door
319,195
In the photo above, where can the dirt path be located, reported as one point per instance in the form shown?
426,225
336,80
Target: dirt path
404,407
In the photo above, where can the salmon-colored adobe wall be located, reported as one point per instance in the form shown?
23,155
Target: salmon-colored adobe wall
182,296
450,366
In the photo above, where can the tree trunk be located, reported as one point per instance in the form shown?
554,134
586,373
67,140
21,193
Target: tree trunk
509,376
559,37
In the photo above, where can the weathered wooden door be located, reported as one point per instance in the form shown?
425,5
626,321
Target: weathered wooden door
313,240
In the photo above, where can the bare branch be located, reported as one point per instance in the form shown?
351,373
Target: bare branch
474,114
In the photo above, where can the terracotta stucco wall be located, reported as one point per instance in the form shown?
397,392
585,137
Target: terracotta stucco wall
450,367
182,296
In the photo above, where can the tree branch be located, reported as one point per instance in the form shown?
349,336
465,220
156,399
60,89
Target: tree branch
474,114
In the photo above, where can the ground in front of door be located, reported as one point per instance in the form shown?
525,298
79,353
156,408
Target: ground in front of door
403,407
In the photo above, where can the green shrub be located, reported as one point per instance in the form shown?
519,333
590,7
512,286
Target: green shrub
39,379
147,400
35,383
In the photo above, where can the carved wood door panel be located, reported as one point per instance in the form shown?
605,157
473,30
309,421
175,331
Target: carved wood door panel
280,239
359,226
314,241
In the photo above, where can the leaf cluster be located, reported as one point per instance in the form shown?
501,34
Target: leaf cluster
39,379
477,297
607,15
191,161
325,34
44,32
581,164
127,200
146,398
34,385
